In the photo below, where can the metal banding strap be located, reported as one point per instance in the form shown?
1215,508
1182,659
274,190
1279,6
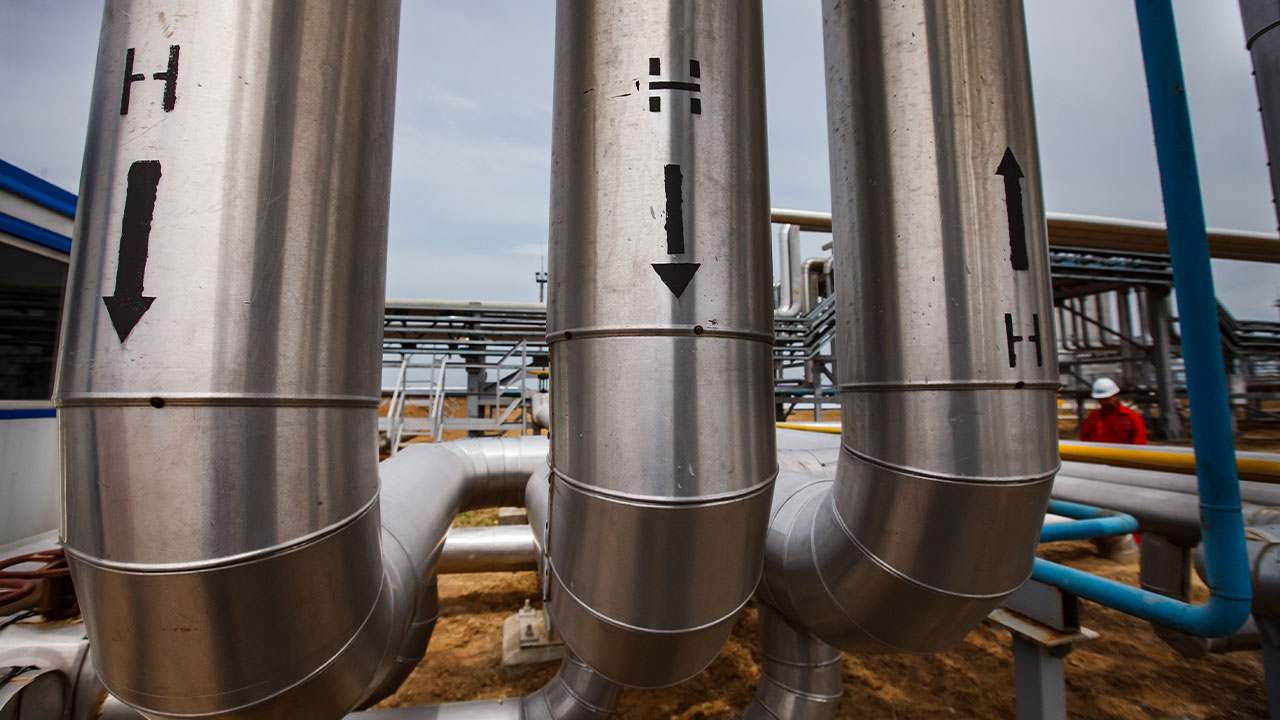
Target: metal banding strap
947,477
213,400
667,331
940,385
665,501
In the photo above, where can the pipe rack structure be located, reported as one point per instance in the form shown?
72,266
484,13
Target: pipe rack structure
238,551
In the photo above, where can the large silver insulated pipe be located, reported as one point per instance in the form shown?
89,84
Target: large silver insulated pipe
948,374
220,360
1261,19
801,676
660,327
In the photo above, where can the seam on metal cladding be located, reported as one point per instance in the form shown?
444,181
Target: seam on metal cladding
1248,45
299,543
907,578
644,630
668,331
790,663
983,480
950,385
333,658
212,400
756,701
581,701
665,502
813,562
820,697
780,505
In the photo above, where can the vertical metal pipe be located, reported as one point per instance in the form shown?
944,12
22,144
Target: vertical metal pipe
948,374
1124,317
1261,18
1158,324
219,373
800,678
660,327
791,278
1228,573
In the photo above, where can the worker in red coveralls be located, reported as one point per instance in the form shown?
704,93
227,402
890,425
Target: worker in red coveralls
1112,422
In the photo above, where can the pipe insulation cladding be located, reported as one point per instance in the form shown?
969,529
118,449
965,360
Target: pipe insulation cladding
660,328
948,373
220,355
1261,18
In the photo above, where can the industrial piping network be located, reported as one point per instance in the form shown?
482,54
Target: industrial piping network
238,552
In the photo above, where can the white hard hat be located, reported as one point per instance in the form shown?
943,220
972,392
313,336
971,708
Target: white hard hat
1105,388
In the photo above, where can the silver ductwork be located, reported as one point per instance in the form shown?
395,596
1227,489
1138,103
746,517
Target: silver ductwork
791,279
660,332
219,363
499,548
801,676
424,487
1261,18
948,374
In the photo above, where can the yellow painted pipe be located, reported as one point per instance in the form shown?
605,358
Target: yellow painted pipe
1136,457
809,427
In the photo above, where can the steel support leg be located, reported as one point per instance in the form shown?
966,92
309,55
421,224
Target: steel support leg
1039,680
1269,634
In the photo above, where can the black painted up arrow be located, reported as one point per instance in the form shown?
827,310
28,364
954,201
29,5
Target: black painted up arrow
676,276
1012,173
128,305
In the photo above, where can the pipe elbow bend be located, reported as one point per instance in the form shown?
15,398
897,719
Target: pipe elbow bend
882,561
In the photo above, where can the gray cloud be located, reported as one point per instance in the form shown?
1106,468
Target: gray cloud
471,172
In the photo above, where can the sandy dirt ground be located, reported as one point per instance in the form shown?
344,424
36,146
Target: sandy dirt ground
1128,673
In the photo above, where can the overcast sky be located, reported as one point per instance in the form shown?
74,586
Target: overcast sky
471,173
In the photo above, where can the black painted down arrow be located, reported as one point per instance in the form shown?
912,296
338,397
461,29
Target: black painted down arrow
676,276
127,306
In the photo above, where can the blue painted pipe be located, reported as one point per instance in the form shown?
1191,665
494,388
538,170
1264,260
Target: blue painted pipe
1226,564
1090,522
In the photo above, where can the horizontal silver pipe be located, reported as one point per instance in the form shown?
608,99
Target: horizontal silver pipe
660,327
1258,493
220,355
1174,515
944,324
1109,231
575,693
501,548
801,675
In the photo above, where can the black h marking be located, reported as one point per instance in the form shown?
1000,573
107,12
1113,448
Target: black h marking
1015,339
130,77
169,76
695,70
675,209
